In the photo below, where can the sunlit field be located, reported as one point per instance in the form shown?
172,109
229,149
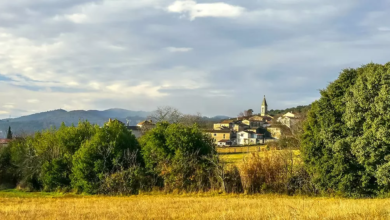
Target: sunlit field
196,206
237,154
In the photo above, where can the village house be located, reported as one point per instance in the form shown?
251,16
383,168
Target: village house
249,138
219,135
288,119
141,127
147,123
4,142
239,126
224,143
275,131
135,130
223,125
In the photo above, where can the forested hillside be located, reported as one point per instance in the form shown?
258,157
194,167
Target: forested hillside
40,121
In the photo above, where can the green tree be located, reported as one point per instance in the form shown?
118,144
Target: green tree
179,156
111,149
9,133
346,142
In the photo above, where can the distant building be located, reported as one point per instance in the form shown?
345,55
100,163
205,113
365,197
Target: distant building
264,107
249,138
289,119
4,142
219,135
222,125
275,131
147,123
224,143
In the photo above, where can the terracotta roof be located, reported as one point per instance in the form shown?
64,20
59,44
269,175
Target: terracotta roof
5,141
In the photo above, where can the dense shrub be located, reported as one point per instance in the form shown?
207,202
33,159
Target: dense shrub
180,156
232,180
112,149
346,142
268,173
7,170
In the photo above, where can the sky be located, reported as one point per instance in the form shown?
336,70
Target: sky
214,57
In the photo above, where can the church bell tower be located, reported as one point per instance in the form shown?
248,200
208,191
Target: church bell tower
264,107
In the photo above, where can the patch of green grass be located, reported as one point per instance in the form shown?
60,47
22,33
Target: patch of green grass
8,193
234,158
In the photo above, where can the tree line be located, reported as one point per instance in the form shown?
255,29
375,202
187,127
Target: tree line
344,143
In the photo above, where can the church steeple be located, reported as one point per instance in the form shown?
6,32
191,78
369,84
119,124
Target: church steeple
264,107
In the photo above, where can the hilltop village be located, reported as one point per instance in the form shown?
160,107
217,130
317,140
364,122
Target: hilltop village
246,129
252,129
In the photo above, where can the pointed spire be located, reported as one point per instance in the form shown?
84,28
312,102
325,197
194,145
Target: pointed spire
264,102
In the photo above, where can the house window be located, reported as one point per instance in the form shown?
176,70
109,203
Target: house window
215,135
224,136
242,135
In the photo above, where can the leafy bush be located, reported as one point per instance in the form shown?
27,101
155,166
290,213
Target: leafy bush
113,148
179,156
7,170
346,142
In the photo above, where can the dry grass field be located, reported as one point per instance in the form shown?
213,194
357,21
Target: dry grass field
190,207
237,158
241,149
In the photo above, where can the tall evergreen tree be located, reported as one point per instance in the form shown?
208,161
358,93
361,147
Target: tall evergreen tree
346,144
9,134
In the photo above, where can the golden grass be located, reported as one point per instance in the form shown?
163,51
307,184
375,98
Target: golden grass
243,149
237,158
193,207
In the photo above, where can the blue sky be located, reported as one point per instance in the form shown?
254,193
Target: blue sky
213,57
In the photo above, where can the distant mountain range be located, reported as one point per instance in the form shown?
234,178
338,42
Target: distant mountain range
40,121
44,120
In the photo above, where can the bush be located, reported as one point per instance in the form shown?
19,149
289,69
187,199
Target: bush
265,174
7,170
301,183
232,180
180,156
55,174
125,182
346,135
112,149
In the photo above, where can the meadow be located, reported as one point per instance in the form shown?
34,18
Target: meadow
236,155
15,205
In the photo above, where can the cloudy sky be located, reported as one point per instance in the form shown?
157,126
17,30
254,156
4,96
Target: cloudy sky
214,57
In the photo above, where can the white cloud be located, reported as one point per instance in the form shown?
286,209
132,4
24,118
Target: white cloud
3,112
76,18
194,9
8,106
32,100
179,49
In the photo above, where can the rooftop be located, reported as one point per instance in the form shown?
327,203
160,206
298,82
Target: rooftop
5,141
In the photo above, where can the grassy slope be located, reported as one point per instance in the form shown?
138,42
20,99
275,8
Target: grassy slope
195,206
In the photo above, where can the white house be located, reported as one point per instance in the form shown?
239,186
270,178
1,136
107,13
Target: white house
224,143
249,137
288,119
